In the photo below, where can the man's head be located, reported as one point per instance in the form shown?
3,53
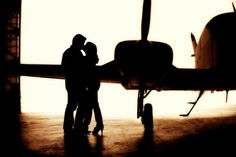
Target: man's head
78,40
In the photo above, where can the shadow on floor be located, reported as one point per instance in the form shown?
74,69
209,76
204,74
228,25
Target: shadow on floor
170,137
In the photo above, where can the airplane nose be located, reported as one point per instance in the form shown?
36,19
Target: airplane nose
143,58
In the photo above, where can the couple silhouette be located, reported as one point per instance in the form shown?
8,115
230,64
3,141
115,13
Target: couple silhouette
82,85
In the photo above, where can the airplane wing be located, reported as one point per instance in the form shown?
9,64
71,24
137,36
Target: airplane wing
108,72
198,79
176,79
35,70
184,79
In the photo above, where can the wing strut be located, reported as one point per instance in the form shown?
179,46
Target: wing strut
226,97
194,103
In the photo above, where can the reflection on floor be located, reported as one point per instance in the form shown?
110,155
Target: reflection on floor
40,135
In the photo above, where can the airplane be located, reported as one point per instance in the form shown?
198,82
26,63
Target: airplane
145,65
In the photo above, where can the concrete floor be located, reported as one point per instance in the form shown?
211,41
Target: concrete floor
40,135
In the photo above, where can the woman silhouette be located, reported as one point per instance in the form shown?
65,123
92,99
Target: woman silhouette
93,87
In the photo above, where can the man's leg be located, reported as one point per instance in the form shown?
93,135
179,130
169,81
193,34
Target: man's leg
68,115
81,111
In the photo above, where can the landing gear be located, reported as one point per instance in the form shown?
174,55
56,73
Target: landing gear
145,112
194,103
147,117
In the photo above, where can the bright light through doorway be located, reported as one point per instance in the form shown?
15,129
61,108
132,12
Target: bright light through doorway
49,25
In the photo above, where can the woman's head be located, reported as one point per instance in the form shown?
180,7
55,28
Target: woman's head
91,52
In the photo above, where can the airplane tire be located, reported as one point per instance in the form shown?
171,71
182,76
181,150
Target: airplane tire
148,117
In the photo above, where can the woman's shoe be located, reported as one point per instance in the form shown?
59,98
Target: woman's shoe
97,129
86,131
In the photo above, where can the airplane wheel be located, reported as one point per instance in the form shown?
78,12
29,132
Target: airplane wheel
148,117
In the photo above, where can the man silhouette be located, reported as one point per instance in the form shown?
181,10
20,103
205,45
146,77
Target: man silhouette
75,67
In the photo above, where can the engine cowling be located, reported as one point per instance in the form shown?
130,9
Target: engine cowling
143,60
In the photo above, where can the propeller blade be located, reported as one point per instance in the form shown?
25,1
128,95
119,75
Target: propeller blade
146,18
234,7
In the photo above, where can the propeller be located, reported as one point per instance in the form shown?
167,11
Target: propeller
137,58
234,7
146,19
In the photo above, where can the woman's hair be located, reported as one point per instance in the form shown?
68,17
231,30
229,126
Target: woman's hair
91,52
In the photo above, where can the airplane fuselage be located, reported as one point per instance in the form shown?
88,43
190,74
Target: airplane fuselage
216,47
